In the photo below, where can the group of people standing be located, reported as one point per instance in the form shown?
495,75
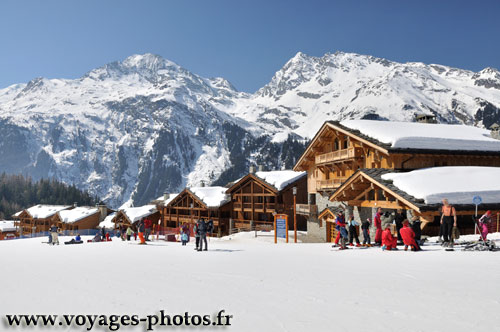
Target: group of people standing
407,229
200,230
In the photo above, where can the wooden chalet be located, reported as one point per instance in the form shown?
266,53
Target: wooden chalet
337,151
255,198
38,218
79,218
8,230
340,149
370,188
130,216
195,203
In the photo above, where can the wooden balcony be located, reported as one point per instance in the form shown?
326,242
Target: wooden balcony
307,209
332,184
258,207
336,156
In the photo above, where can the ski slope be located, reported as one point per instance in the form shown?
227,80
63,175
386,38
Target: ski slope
267,287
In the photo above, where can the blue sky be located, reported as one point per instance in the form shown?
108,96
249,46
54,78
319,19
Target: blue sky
245,42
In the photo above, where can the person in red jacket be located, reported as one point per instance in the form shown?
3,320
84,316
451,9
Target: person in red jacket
148,224
408,236
339,224
378,227
389,242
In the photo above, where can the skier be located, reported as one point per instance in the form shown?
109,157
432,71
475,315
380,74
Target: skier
202,229
389,242
365,226
378,226
55,234
408,237
353,233
148,224
399,218
140,228
448,220
103,233
484,222
196,231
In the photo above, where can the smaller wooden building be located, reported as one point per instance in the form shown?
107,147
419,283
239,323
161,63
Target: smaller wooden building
130,216
38,218
255,198
198,202
421,191
8,229
78,218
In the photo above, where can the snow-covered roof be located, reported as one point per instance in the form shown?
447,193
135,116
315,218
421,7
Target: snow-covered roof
78,213
280,179
168,200
41,211
137,213
7,226
108,221
211,196
414,135
458,184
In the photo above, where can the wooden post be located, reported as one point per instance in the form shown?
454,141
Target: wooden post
286,220
498,220
275,235
295,214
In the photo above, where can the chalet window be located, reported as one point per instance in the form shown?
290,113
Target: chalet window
346,143
337,144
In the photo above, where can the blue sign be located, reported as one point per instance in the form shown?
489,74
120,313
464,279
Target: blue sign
477,200
281,227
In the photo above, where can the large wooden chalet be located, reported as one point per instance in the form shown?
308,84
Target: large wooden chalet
79,218
255,198
130,216
341,149
195,203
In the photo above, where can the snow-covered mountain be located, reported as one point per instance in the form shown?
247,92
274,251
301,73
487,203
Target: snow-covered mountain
130,130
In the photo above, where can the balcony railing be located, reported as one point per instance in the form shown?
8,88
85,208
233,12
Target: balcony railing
331,184
336,155
307,209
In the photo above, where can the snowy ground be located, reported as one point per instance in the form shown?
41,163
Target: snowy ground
267,287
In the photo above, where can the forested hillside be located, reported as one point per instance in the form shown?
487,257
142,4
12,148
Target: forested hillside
18,192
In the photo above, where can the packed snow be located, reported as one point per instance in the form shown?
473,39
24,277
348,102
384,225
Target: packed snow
211,196
265,286
137,213
78,213
459,184
280,179
7,226
41,211
413,135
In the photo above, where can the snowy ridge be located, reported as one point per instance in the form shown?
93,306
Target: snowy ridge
458,184
411,135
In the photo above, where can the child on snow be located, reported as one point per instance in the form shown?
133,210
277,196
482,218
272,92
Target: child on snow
184,237
365,226
353,233
389,242
484,222
408,236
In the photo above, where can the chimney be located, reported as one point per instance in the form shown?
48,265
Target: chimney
495,131
202,184
166,196
103,211
252,169
261,168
